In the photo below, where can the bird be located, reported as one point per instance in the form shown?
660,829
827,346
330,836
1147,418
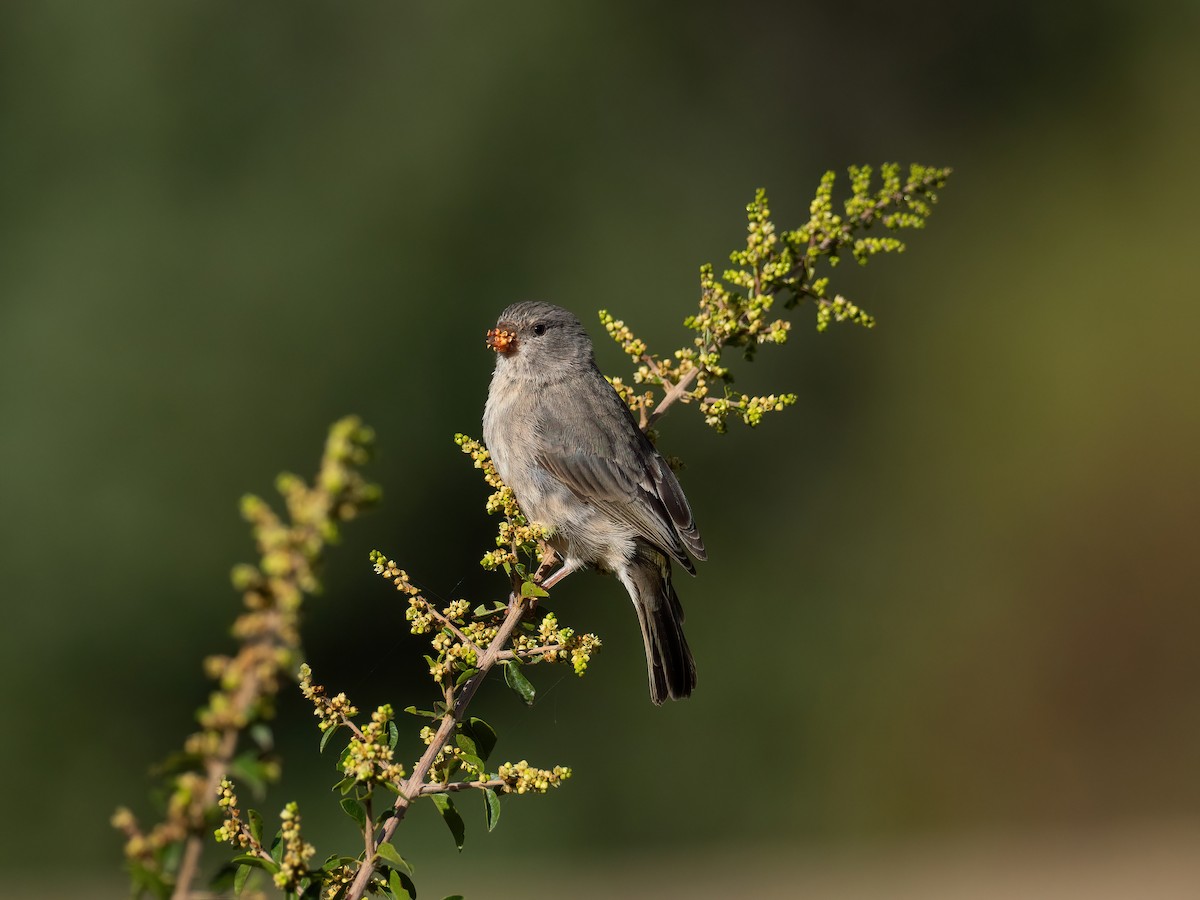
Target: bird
561,437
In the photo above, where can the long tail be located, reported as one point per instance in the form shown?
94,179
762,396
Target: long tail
669,663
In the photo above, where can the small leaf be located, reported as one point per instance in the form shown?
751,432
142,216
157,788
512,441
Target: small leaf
393,734
471,759
346,785
250,771
240,878
328,733
255,861
518,682
491,808
390,857
529,589
413,711
454,897
483,734
466,676
261,734
453,820
354,810
256,824
466,743
402,886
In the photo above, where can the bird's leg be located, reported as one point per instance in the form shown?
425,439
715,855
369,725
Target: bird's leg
549,559
567,569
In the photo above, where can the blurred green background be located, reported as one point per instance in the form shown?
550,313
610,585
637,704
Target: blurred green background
949,618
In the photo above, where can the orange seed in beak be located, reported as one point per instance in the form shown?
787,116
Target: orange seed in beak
500,340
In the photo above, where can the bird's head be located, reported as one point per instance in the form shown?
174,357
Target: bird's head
539,335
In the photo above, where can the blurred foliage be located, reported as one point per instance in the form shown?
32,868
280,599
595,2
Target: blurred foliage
235,737
978,540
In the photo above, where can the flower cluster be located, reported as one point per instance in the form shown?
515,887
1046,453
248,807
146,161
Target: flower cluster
369,756
233,829
736,309
293,864
716,410
520,778
332,711
516,535
551,643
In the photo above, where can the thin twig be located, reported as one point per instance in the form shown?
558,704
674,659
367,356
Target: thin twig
452,787
527,652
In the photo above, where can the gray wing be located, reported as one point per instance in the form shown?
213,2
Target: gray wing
620,472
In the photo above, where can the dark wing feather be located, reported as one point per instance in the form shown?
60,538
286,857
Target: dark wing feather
677,507
617,469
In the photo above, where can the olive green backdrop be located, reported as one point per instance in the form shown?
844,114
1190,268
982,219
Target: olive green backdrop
952,592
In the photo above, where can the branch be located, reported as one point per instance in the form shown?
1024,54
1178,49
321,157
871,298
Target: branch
414,786
675,393
215,768
527,652
451,787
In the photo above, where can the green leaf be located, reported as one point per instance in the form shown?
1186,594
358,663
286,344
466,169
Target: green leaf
354,810
346,785
454,897
256,824
472,760
453,820
247,769
402,886
483,734
466,743
260,733
518,682
491,808
482,612
426,713
466,675
255,861
529,589
326,736
240,879
393,734
390,857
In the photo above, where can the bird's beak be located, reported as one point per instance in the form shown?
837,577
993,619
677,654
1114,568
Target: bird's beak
502,340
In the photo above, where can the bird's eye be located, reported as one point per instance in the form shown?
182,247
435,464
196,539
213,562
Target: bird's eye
539,329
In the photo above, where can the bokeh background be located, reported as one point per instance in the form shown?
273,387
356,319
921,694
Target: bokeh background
947,632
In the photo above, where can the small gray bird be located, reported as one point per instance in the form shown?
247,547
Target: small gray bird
574,456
